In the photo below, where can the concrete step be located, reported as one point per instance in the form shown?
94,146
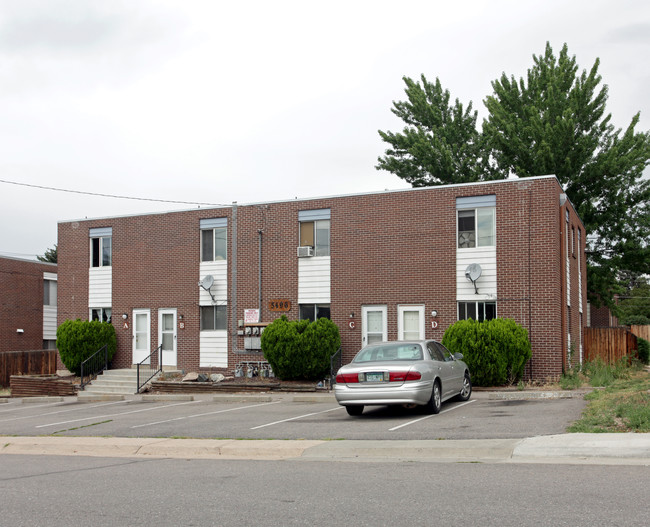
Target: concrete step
113,382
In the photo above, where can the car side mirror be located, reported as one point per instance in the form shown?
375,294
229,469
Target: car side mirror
458,356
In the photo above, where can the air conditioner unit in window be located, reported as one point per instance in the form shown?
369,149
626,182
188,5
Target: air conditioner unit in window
305,251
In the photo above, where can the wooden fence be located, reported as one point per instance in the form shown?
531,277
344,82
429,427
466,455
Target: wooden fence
609,344
641,331
39,362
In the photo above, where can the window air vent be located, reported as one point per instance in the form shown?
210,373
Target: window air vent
305,251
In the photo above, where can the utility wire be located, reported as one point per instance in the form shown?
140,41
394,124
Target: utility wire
111,195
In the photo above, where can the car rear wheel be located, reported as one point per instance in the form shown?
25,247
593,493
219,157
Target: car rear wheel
354,410
434,404
466,390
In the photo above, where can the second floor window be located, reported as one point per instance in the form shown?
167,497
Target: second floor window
49,293
315,230
476,221
101,247
214,240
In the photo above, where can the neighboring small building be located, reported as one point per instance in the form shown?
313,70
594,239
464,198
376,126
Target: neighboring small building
28,304
601,317
382,266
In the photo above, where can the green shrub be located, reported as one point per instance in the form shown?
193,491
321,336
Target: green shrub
496,351
300,349
643,350
635,320
78,340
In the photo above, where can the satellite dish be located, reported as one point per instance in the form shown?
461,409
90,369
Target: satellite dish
207,283
473,273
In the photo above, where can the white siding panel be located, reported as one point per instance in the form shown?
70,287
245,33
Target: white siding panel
213,349
100,287
314,275
219,271
49,322
486,257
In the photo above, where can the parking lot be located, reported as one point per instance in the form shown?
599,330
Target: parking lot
284,416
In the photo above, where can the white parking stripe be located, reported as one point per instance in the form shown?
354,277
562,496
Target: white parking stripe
114,415
428,416
204,414
299,417
75,409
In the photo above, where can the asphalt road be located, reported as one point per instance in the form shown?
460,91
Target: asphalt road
61,491
280,417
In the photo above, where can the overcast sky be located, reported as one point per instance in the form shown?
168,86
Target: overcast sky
249,101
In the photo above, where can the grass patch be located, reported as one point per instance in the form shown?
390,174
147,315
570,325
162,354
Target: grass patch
623,405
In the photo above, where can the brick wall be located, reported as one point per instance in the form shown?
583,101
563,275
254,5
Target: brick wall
21,303
387,248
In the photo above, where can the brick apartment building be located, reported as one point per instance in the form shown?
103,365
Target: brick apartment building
28,305
384,265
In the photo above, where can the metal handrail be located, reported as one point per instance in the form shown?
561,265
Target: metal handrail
94,365
154,356
335,360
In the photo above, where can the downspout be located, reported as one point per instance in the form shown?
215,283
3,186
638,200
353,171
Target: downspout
530,277
259,271
233,278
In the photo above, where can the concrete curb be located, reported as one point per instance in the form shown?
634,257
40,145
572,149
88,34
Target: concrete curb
603,449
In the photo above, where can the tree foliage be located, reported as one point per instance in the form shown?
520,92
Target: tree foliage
50,256
495,351
77,340
300,349
440,143
634,307
552,122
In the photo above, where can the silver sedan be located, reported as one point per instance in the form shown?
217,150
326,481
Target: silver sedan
421,373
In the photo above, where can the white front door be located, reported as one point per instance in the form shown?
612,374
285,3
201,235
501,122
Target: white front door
167,336
141,335
410,322
374,324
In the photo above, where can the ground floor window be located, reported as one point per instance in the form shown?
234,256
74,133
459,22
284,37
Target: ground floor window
213,317
49,344
103,314
477,310
313,312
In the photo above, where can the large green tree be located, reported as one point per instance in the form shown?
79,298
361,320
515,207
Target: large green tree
555,122
440,143
50,256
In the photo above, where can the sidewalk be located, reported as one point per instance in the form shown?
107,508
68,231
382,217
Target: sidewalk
601,449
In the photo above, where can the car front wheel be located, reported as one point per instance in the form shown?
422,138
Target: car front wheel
354,410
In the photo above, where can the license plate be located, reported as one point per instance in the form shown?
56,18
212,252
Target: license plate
375,377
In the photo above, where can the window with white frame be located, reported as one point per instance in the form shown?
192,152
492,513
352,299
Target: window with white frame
213,318
479,311
214,241
49,292
476,221
103,314
315,230
313,312
101,247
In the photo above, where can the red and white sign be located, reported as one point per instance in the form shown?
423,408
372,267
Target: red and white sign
434,324
251,316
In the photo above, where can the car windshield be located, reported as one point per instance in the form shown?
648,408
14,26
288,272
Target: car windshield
389,352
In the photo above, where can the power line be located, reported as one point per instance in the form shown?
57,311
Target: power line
111,195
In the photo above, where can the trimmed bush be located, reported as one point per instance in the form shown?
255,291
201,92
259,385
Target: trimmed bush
78,340
300,350
496,350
